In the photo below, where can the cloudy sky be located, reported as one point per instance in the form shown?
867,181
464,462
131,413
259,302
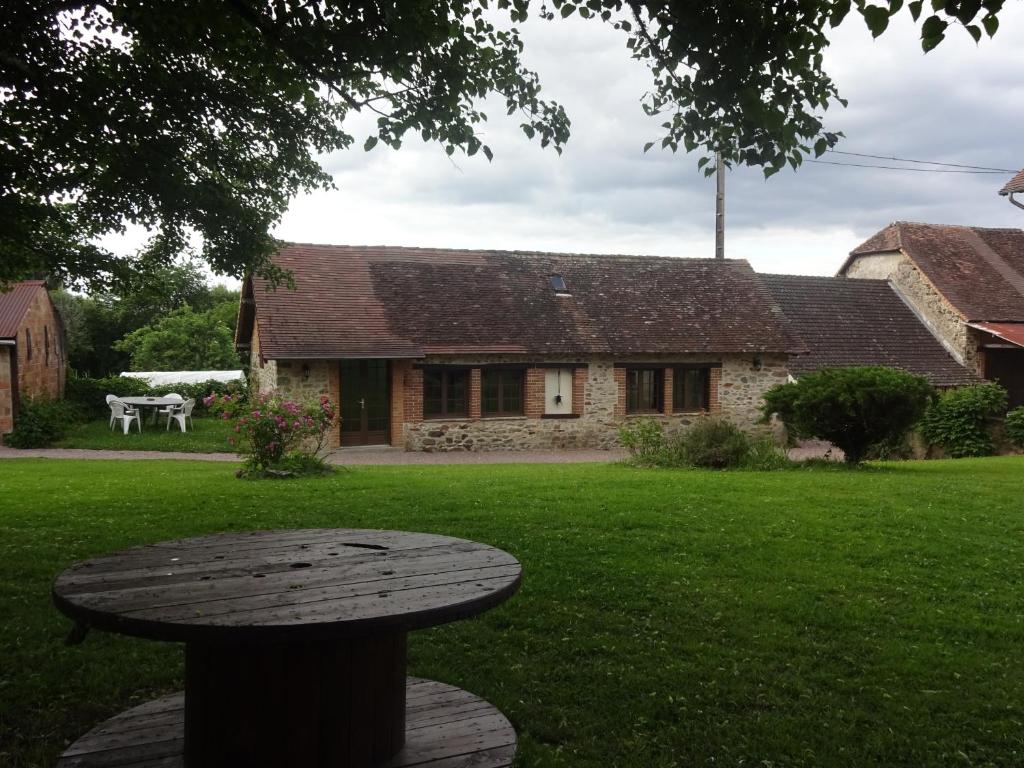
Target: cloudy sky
959,104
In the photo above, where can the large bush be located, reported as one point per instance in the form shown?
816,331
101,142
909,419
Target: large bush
852,408
90,394
1015,426
40,423
958,421
275,436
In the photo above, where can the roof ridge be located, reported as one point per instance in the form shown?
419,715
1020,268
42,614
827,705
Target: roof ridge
507,252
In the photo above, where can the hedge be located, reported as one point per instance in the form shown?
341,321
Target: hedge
90,395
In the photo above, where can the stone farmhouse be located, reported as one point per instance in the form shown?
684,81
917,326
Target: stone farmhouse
476,350
966,284
32,357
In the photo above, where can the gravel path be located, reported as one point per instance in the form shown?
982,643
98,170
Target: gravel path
350,457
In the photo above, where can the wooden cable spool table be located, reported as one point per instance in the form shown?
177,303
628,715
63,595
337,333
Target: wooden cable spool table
295,649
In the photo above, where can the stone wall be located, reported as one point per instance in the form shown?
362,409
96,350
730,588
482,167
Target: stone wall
598,401
744,381
945,322
736,391
262,373
6,392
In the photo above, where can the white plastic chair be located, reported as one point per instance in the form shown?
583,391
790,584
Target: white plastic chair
167,411
126,415
110,399
181,413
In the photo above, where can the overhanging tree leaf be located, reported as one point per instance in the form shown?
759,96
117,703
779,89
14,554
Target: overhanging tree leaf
197,118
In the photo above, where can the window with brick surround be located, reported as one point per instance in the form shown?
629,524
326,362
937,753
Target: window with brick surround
645,388
445,393
46,343
691,389
501,392
28,344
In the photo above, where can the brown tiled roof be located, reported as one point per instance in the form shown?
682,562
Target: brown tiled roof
14,303
354,301
846,323
980,271
1016,184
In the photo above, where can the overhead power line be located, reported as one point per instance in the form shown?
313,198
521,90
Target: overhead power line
920,162
916,170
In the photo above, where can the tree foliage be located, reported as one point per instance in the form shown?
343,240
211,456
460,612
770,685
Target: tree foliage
197,117
181,341
852,408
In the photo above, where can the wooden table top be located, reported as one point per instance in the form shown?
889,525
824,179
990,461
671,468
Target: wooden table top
287,585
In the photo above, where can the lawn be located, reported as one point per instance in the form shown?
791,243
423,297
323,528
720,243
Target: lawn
205,435
799,618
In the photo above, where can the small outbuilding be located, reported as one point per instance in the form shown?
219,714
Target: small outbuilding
32,348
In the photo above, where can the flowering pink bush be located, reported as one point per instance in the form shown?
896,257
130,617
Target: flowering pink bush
270,429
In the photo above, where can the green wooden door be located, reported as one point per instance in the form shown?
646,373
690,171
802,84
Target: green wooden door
365,404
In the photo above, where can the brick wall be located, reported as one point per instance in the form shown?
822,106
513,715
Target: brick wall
620,387
533,404
413,400
6,392
714,393
474,393
42,366
579,384
400,370
334,392
666,392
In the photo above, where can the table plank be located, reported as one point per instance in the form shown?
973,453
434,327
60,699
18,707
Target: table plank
447,728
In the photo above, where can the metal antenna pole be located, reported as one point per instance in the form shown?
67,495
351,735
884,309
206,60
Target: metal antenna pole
719,207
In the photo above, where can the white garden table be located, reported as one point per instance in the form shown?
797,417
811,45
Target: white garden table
156,403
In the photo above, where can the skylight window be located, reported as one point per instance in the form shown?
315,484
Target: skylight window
558,284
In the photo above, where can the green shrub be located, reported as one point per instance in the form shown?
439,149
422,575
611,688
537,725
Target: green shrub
40,422
644,439
712,444
1015,426
766,456
958,420
853,408
90,395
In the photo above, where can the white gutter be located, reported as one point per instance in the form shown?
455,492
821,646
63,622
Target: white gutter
8,343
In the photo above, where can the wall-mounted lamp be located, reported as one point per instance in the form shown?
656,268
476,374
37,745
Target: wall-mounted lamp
305,370
558,399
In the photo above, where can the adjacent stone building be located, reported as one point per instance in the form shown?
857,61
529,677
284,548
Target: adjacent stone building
966,284
445,350
32,357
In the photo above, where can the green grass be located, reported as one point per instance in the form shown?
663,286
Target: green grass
804,618
205,435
